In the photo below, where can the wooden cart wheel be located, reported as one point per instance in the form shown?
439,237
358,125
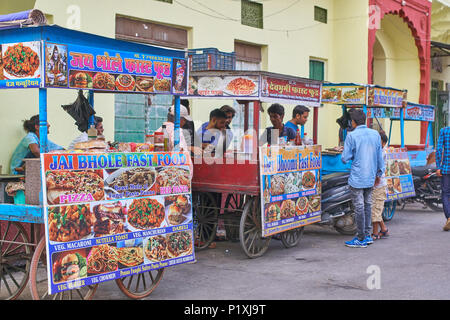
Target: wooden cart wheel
292,237
15,259
250,229
140,285
206,214
39,283
234,205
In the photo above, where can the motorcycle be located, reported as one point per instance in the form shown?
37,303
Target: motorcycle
428,188
337,206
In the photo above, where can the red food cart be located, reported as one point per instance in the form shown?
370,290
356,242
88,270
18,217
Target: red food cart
231,184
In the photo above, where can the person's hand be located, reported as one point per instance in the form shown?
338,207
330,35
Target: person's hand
438,173
377,181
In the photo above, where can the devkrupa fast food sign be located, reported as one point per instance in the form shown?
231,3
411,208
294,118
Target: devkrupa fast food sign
65,65
290,187
112,215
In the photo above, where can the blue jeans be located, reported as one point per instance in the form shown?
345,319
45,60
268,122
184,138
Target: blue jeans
362,201
445,186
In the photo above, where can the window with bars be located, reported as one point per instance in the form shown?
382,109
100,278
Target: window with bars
252,14
320,14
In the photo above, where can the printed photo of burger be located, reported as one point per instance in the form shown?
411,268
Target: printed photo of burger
69,266
80,79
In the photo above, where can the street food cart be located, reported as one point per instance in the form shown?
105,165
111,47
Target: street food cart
237,182
412,112
97,227
374,100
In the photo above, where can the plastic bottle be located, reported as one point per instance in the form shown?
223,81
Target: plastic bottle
92,132
307,141
165,138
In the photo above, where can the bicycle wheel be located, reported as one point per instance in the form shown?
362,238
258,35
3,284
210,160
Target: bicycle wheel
140,285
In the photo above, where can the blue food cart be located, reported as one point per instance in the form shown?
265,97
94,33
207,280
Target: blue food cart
23,247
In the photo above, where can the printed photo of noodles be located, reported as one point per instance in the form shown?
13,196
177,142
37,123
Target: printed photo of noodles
103,258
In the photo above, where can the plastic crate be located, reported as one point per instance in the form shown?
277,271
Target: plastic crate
211,59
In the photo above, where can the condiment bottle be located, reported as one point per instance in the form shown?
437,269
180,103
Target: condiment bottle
298,138
165,138
92,132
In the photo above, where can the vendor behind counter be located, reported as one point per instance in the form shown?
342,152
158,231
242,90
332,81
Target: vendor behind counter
29,146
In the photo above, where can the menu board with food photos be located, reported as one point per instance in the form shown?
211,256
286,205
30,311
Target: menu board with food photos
20,65
399,180
290,187
109,215
82,67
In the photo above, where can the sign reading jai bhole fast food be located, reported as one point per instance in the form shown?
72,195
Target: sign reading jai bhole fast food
111,215
398,175
290,187
74,66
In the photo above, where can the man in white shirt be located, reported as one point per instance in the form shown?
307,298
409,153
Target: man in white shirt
98,121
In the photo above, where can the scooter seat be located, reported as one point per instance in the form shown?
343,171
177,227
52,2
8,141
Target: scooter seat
334,179
422,171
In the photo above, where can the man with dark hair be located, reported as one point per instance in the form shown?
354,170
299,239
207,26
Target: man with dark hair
230,113
362,147
211,131
98,122
299,117
272,134
443,166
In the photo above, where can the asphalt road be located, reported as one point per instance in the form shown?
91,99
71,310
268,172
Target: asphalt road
413,263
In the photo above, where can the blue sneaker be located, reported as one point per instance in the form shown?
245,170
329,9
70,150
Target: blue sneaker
356,243
368,240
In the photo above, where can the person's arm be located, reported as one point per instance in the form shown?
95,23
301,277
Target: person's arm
380,161
440,149
347,153
35,150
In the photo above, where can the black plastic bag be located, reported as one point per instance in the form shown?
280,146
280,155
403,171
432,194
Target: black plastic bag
81,111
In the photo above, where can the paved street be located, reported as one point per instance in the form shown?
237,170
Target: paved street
413,263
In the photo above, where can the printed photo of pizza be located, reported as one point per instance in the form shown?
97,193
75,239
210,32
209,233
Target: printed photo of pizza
64,186
179,244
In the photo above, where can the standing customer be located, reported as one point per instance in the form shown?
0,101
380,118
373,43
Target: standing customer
378,199
363,147
443,165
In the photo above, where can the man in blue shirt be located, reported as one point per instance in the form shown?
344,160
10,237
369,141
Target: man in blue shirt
363,147
299,117
443,166
272,134
211,132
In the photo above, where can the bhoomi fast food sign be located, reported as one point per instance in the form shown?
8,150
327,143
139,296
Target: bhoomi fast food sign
290,187
112,215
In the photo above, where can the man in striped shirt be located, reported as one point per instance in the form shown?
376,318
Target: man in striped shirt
443,165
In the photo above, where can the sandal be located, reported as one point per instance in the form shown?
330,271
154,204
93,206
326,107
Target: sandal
376,236
384,234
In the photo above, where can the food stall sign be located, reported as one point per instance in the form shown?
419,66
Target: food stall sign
274,89
112,215
398,175
83,67
352,94
21,65
227,86
386,97
413,112
290,187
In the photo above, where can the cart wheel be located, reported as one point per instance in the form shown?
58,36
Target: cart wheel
291,238
206,214
232,217
389,210
15,260
39,283
250,229
141,285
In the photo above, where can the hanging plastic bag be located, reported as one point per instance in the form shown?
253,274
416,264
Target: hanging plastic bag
81,111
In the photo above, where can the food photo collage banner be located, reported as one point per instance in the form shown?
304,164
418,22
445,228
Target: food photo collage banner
399,178
82,67
290,186
111,215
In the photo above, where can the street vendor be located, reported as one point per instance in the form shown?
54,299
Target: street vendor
98,122
299,117
211,132
272,134
29,146
230,113
170,127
